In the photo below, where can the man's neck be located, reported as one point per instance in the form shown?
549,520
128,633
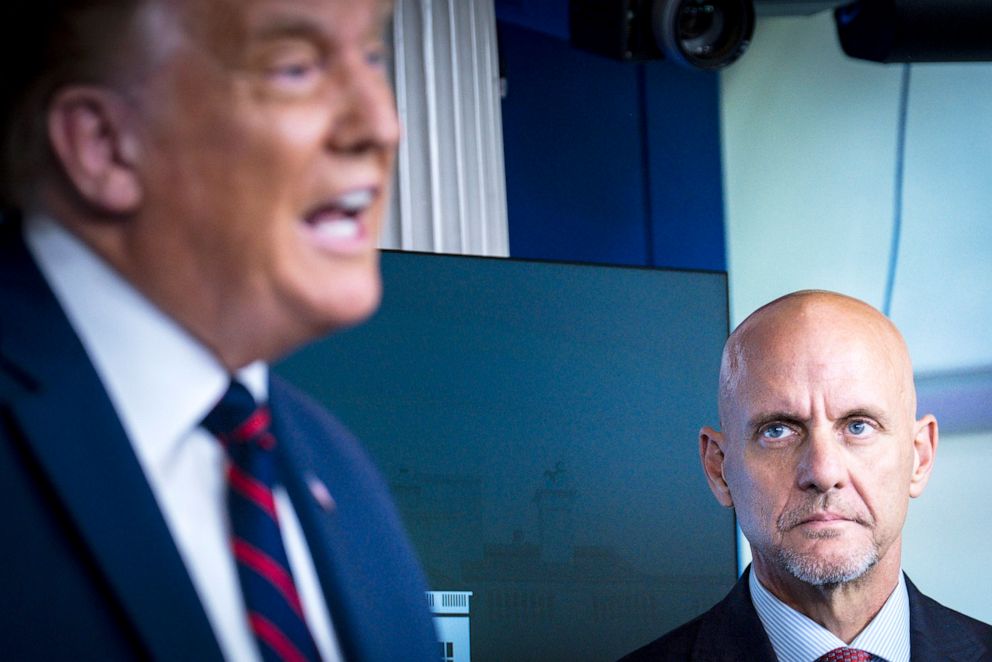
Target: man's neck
843,609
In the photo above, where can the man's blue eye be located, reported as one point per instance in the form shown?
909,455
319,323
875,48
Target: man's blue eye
857,427
774,431
296,70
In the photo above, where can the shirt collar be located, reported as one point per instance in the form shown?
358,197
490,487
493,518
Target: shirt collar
797,638
161,380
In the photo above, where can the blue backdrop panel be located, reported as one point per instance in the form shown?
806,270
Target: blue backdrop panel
572,148
608,161
682,110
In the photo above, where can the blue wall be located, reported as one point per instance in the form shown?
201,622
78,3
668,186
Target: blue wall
607,161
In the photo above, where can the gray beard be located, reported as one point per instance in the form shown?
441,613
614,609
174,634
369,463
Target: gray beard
817,572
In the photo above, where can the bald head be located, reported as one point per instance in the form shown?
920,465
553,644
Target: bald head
814,326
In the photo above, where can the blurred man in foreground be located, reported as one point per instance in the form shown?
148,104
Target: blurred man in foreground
819,453
197,188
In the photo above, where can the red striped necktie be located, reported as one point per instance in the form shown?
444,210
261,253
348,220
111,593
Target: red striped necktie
846,655
275,613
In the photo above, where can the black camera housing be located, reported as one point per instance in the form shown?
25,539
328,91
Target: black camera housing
705,34
916,30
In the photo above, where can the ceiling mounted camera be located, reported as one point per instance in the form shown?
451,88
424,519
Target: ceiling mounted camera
916,30
708,34
705,34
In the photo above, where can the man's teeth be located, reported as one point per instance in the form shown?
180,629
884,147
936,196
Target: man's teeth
354,201
339,228
340,218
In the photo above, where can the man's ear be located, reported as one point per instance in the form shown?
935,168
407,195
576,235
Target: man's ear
924,453
711,455
90,134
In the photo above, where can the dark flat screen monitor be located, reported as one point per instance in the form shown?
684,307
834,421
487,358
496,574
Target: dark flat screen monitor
537,423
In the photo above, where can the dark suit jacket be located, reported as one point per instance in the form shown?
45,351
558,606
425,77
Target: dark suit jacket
88,569
732,632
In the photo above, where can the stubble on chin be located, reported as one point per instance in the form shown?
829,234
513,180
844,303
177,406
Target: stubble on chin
821,570
813,569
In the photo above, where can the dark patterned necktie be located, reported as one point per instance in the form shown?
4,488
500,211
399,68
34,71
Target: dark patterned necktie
275,613
846,655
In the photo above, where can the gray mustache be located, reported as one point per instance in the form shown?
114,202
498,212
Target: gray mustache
822,504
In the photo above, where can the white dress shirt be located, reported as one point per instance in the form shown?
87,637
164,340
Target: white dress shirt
797,638
162,383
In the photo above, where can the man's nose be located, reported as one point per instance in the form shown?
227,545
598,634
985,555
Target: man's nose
366,117
823,461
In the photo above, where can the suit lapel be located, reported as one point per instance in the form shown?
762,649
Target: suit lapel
330,543
72,430
732,631
936,632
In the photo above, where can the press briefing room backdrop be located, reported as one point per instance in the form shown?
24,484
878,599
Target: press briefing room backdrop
795,167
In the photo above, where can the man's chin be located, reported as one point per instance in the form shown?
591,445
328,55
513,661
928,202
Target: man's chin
345,299
819,569
362,303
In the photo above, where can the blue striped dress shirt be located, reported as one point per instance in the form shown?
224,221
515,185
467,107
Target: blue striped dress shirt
797,638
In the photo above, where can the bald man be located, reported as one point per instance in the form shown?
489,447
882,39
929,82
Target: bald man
819,453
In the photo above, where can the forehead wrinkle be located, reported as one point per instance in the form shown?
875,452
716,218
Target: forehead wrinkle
374,14
226,28
307,19
788,322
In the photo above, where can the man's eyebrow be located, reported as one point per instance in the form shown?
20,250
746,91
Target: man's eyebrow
764,418
281,27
